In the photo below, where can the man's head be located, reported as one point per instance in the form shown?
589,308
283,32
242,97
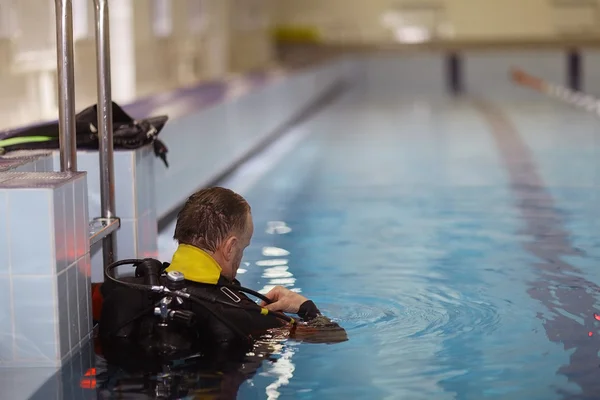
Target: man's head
218,221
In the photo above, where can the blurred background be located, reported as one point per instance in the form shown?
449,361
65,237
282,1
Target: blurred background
159,45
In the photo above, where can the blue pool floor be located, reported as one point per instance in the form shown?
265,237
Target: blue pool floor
456,241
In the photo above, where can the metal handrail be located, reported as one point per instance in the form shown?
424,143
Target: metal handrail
105,125
101,228
66,85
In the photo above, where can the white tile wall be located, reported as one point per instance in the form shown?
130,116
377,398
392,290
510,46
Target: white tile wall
84,289
6,320
61,231
4,245
45,313
26,161
35,319
31,229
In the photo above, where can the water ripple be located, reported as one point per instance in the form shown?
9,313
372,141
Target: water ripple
419,315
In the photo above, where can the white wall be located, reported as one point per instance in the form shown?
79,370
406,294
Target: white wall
143,61
362,20
232,36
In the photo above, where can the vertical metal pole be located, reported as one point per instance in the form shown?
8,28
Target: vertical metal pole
66,85
105,126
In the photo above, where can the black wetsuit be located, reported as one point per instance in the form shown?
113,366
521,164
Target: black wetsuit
131,337
128,317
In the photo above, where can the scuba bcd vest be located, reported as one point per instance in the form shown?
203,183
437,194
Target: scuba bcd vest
162,314
127,133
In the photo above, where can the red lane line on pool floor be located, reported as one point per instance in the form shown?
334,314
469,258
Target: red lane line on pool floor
554,289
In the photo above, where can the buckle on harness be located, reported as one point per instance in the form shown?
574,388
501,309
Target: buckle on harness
229,293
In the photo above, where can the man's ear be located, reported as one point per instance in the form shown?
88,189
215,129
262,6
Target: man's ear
229,248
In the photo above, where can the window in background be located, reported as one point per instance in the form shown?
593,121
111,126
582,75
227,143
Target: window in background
574,17
417,22
162,18
197,16
34,34
80,19
250,15
8,18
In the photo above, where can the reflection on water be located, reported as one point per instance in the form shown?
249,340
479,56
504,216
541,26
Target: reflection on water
283,371
274,252
243,270
268,263
280,271
278,274
277,228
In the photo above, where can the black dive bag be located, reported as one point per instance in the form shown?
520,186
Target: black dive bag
128,133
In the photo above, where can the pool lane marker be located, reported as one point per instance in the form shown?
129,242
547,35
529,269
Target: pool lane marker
558,281
562,93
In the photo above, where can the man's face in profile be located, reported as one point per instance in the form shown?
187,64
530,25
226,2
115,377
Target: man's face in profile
243,242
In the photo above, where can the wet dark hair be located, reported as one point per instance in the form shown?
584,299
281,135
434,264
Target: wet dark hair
209,216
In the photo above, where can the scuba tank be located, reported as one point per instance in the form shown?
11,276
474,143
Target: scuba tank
160,323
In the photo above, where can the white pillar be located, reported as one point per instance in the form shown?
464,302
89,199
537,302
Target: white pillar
122,51
217,34
47,94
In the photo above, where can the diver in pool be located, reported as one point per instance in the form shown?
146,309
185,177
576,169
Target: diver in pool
204,308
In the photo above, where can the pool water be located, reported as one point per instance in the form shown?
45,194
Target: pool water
454,241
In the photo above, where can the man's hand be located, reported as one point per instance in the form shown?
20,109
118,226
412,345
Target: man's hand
284,300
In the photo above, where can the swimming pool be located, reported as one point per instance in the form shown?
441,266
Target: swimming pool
455,241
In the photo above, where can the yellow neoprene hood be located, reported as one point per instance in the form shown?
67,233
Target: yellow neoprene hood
195,264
